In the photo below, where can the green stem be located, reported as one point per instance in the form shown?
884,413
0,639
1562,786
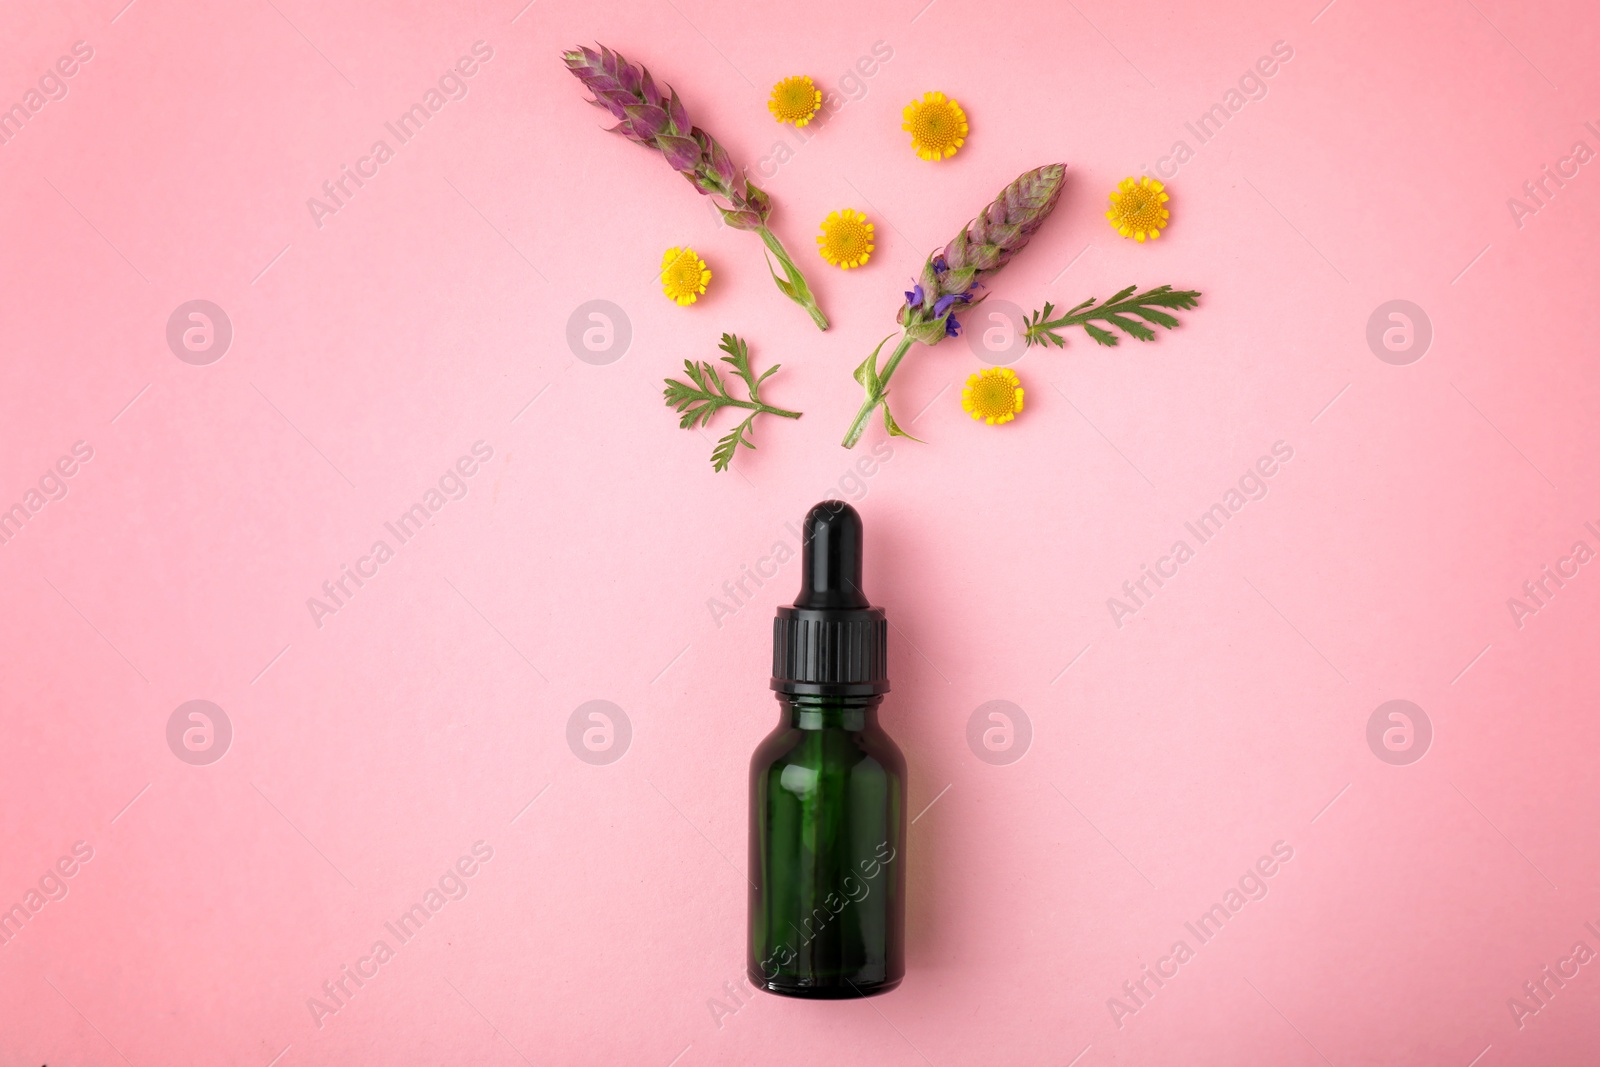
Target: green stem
1074,317
1068,320
799,291
760,408
876,397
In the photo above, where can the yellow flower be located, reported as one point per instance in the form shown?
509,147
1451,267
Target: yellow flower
683,275
846,239
995,395
1136,209
937,126
795,100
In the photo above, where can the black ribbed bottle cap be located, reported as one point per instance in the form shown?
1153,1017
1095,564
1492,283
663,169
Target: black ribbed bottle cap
831,642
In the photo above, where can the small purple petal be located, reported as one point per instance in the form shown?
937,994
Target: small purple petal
952,328
945,301
914,297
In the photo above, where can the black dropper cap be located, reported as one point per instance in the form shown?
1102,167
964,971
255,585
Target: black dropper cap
832,642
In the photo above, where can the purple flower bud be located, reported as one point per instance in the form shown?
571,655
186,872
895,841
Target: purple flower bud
681,152
722,164
742,220
677,113
615,101
647,121
627,74
601,83
757,200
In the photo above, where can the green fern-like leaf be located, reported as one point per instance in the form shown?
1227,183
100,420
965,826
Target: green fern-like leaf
1125,310
706,393
729,443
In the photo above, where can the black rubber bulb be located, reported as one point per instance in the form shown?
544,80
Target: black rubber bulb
830,563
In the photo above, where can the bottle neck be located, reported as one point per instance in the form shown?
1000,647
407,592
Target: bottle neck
829,713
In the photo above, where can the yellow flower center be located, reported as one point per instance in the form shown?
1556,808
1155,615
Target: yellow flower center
933,126
993,397
1141,207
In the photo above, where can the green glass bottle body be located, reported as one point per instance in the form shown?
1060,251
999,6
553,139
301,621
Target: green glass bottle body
827,852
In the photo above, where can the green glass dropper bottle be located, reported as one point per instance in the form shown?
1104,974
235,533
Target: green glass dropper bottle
828,787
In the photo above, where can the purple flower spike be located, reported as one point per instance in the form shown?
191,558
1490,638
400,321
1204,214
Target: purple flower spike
952,276
652,115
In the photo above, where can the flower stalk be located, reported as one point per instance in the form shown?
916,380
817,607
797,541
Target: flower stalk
793,283
951,280
876,384
658,120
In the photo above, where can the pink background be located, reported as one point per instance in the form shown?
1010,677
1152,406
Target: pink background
1229,713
